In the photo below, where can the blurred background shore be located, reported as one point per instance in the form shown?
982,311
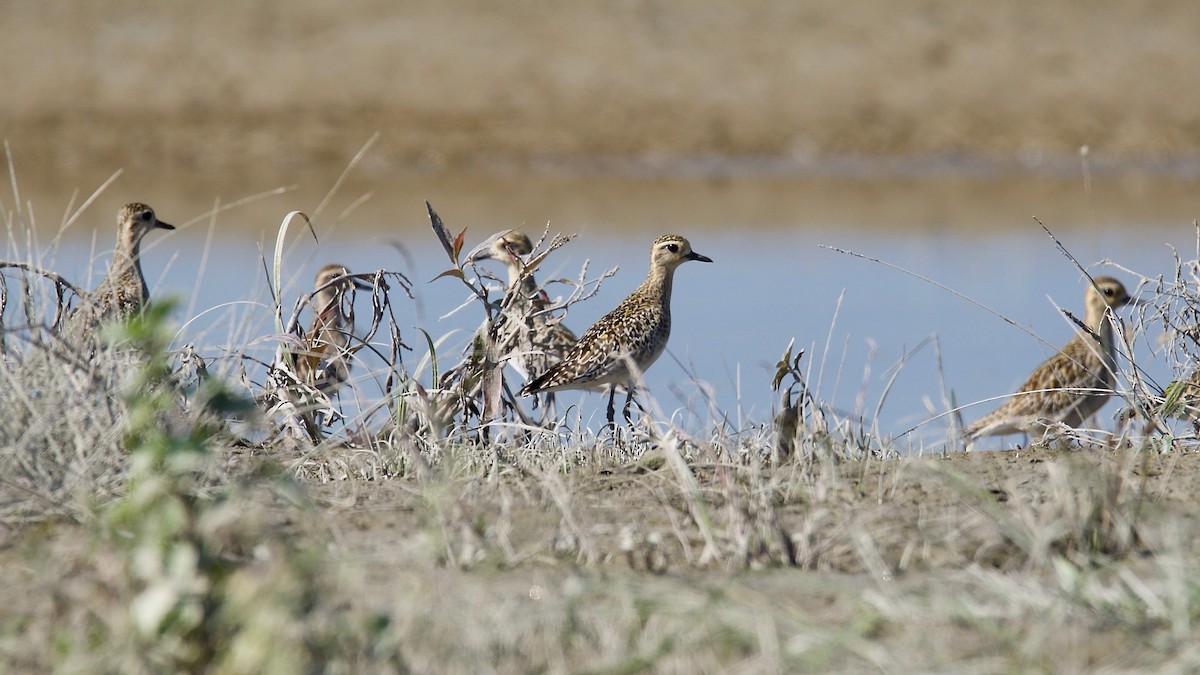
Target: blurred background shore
581,100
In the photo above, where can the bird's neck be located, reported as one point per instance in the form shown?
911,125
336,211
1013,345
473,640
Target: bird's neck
658,283
127,255
514,273
528,286
1101,324
328,307
1097,317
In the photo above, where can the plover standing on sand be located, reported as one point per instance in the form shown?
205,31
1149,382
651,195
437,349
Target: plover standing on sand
1073,384
619,347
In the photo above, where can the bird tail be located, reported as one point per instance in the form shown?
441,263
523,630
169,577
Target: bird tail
536,384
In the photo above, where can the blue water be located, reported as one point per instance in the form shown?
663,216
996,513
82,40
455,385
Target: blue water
770,283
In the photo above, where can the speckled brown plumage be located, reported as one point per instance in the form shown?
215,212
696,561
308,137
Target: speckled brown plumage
1070,386
635,333
325,360
539,340
123,291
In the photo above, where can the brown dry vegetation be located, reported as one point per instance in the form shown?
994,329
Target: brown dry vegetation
139,536
1043,560
562,552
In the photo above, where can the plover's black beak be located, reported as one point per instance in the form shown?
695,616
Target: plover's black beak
165,226
359,283
696,256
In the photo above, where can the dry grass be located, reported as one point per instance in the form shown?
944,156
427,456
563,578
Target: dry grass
438,526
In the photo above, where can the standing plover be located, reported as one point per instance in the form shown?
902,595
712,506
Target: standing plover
541,340
1073,384
123,291
324,362
625,342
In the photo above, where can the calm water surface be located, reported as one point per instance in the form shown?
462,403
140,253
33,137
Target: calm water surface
772,282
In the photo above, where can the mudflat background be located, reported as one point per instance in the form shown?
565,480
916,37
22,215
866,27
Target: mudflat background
234,87
873,112
517,112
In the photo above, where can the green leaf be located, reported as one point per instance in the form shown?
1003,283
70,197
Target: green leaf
1173,396
783,366
432,358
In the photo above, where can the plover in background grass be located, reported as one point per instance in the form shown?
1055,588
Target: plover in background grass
1070,386
619,347
324,362
539,340
123,291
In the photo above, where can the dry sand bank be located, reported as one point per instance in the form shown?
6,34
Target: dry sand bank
233,87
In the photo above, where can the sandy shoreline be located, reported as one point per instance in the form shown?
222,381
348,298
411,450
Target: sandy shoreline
919,117
228,87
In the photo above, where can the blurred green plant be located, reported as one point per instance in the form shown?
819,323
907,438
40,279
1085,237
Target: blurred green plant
211,588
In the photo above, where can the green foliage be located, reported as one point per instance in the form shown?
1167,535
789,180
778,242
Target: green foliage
211,588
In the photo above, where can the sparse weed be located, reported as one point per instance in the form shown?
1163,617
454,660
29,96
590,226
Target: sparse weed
445,524
1090,513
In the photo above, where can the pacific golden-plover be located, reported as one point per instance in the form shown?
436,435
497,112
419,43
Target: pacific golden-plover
625,342
1073,384
541,339
324,361
123,291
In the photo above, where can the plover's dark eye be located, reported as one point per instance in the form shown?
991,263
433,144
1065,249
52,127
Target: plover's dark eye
147,215
673,248
1108,291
